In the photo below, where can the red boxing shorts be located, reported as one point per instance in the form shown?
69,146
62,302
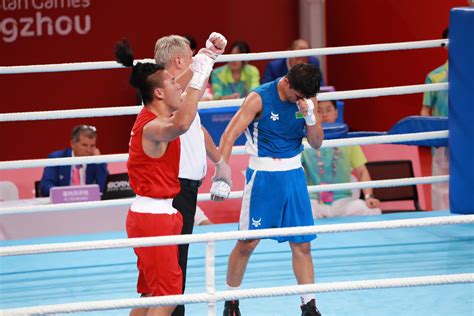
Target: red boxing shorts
159,272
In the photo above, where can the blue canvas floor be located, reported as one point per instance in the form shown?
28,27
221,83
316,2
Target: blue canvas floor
111,274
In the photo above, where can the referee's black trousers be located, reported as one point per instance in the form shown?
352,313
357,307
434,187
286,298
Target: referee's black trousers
185,202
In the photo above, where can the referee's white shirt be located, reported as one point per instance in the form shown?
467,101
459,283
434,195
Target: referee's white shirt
193,164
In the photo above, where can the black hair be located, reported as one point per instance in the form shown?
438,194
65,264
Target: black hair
445,33
192,42
304,78
242,46
141,72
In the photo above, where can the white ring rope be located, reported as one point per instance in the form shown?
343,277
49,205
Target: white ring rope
131,110
382,92
241,294
92,205
378,183
235,57
67,114
211,296
383,139
33,163
237,150
243,234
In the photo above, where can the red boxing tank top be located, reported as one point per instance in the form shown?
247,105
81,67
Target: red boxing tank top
152,177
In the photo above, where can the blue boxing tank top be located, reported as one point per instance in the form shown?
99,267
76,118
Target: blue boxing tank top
279,131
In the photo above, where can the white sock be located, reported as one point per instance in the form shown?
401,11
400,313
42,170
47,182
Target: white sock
231,288
305,298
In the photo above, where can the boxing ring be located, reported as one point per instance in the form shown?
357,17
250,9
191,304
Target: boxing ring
405,263
58,278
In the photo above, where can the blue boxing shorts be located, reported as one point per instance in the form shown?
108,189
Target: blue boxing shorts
275,199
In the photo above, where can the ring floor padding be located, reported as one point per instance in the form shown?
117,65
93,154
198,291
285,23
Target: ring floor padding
378,254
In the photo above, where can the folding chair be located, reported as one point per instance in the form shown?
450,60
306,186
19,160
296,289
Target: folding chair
394,169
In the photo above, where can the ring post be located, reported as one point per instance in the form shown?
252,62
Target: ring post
461,110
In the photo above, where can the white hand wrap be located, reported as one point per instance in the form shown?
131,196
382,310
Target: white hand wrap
221,181
208,52
202,67
310,118
220,189
210,45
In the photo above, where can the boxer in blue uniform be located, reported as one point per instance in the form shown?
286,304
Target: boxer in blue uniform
275,118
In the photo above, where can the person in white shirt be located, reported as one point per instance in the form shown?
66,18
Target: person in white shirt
175,54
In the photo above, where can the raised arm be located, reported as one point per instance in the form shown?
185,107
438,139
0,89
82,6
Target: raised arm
166,129
215,46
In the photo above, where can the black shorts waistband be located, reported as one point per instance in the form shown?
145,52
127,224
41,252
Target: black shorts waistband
190,183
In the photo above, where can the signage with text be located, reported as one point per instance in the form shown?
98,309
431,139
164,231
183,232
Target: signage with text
37,18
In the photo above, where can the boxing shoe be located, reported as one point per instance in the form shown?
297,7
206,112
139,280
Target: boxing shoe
310,309
231,308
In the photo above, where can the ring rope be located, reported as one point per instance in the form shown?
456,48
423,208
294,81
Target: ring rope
236,57
236,150
219,296
233,195
378,183
132,110
233,235
241,294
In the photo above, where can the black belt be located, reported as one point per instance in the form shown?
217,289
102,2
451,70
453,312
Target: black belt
190,183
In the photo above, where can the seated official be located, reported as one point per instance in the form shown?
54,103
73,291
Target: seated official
336,165
83,143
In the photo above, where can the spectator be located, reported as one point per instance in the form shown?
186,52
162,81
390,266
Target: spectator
279,67
435,103
237,78
192,43
336,165
83,143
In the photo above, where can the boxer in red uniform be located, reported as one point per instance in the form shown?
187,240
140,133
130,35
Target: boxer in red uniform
153,167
